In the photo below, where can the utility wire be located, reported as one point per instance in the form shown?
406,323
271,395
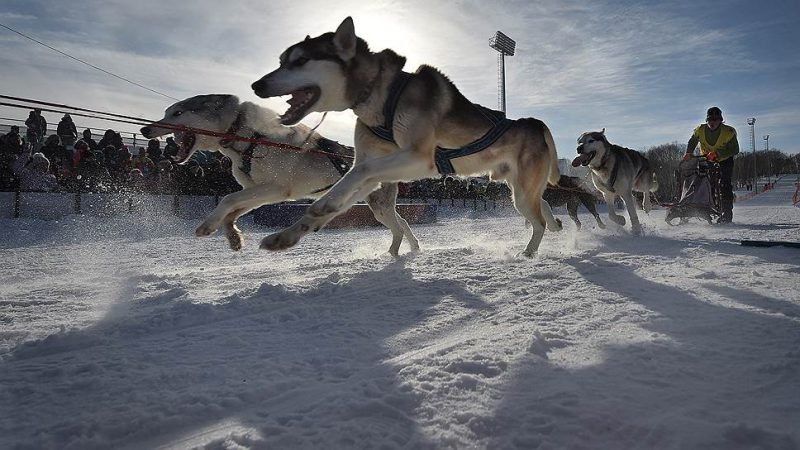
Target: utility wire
86,63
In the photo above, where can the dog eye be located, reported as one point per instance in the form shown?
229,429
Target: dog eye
300,61
177,113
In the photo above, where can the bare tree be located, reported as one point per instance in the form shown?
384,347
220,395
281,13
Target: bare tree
665,159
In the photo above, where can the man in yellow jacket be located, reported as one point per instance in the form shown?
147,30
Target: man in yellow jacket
717,143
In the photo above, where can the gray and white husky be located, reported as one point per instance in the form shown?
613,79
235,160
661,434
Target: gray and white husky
267,174
405,123
617,171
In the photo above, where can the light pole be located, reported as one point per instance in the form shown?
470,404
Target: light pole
752,122
766,153
505,46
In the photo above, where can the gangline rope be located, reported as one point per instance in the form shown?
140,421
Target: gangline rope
112,117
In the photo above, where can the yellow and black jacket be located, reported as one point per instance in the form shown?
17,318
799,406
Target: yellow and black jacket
721,141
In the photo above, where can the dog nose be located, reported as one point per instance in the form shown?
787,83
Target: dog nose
145,132
579,149
257,86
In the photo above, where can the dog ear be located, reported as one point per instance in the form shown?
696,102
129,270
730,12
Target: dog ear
344,40
308,36
604,131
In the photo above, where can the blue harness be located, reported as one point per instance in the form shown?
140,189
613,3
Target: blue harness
443,156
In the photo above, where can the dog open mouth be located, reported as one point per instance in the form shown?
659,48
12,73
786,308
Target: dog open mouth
299,104
186,142
583,159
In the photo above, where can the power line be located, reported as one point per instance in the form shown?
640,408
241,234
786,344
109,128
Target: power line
86,63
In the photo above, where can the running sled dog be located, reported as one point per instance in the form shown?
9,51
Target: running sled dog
266,173
571,193
409,127
617,171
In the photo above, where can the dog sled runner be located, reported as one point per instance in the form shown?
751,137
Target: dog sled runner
700,192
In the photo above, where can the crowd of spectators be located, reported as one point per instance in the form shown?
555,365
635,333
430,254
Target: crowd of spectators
452,188
62,162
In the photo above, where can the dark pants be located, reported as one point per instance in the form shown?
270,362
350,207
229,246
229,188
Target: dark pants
726,190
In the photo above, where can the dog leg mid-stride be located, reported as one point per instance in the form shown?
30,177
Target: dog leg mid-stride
267,174
571,194
410,126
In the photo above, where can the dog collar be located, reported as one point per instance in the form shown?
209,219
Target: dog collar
384,131
230,138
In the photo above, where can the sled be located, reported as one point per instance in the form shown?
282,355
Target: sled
700,192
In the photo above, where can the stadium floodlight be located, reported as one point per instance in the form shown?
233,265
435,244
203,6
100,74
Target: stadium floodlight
504,46
766,152
503,43
752,122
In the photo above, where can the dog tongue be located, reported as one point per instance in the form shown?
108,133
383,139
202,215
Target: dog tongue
580,159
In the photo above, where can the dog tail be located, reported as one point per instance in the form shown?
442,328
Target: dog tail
554,174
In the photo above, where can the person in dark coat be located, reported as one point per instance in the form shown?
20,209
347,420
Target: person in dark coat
67,131
154,150
87,137
11,147
110,138
92,176
61,164
171,149
12,142
36,130
118,163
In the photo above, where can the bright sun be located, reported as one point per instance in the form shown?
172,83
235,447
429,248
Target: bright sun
381,29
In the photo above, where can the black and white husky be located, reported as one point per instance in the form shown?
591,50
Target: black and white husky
267,174
617,171
410,126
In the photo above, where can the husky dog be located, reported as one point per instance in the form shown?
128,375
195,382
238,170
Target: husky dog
571,194
617,171
409,125
267,174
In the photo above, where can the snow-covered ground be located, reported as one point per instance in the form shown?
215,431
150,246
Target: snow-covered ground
136,335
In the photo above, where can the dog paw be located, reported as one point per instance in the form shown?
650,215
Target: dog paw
559,225
526,254
204,230
279,241
637,231
619,220
601,225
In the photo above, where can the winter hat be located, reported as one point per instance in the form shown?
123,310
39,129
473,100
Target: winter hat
713,112
40,162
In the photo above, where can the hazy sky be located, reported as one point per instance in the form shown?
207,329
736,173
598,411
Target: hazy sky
646,71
